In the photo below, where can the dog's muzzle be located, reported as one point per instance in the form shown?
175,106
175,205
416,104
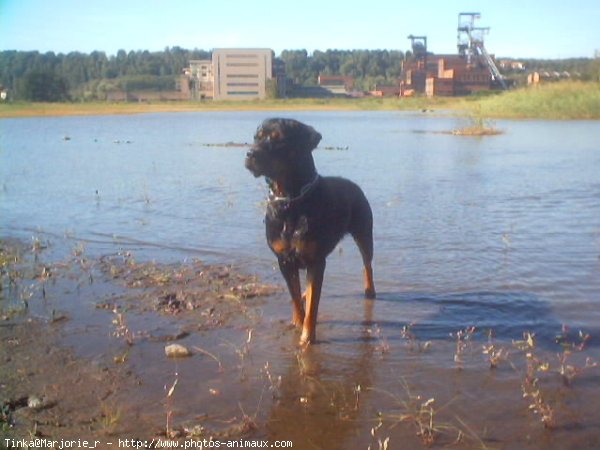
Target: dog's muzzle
251,163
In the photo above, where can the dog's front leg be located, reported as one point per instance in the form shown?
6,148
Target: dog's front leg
290,273
314,282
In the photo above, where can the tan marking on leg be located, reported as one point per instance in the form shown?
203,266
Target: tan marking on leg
313,295
369,284
280,246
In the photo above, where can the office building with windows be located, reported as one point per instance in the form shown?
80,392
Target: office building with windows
241,74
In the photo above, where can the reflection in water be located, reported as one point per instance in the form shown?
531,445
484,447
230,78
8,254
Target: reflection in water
322,388
508,314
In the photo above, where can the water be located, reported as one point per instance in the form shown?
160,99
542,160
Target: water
500,232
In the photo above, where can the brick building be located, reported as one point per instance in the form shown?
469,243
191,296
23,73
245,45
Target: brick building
444,75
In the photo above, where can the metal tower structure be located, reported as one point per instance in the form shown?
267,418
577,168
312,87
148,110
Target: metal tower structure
418,44
419,49
470,44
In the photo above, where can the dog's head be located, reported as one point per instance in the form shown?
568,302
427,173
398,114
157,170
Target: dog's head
281,146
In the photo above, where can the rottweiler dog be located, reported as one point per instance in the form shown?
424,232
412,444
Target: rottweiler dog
307,214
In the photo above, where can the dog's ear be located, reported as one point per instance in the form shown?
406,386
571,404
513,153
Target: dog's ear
311,138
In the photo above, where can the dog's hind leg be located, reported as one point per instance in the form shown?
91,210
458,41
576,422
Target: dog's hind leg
364,241
291,275
361,229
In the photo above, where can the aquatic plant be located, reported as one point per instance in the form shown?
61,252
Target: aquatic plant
422,413
411,339
383,345
210,355
568,371
381,445
478,125
121,328
110,416
463,339
274,382
494,353
540,402
242,351
530,384
169,406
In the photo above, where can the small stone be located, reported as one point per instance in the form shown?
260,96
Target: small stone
38,403
177,351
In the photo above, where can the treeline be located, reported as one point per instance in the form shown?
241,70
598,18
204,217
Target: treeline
80,76
585,68
367,67
49,76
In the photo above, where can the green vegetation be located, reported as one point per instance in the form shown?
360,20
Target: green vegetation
44,87
49,77
31,109
367,67
563,100
91,76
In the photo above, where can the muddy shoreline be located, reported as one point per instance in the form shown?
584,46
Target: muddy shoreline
48,390
85,355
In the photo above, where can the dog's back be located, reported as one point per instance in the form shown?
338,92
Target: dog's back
340,207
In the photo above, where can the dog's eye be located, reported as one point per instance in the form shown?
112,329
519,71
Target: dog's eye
275,135
260,134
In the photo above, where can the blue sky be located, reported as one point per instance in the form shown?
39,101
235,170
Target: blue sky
520,29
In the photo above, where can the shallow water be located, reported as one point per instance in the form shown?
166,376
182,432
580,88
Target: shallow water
501,233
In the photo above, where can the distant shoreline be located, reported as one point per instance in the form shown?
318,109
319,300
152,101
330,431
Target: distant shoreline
563,101
23,109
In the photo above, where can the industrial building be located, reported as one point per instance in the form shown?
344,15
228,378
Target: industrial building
241,73
472,70
236,74
336,84
201,79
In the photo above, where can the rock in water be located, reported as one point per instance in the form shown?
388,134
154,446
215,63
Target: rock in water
177,351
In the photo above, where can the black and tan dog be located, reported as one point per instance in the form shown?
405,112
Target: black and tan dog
307,215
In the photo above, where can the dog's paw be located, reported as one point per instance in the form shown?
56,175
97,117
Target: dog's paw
307,339
298,318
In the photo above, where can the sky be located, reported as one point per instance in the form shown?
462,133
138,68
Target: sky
547,29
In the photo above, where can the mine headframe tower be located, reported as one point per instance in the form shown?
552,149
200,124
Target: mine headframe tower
470,44
419,49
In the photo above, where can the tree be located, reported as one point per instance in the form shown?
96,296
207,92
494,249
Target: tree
295,64
272,91
43,87
595,66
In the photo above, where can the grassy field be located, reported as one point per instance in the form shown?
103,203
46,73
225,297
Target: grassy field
567,100
331,104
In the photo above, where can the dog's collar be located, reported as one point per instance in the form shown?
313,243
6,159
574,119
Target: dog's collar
286,201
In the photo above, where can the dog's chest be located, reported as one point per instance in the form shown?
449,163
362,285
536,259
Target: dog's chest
290,237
